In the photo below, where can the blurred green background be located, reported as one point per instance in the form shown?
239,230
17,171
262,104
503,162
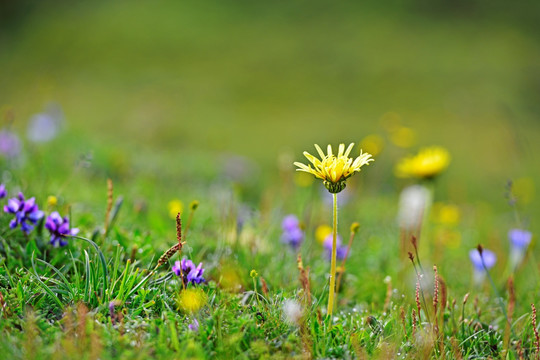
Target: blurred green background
174,85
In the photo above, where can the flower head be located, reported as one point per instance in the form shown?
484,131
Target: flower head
10,145
3,192
189,273
26,212
519,238
427,164
341,251
293,234
59,228
334,169
191,300
488,256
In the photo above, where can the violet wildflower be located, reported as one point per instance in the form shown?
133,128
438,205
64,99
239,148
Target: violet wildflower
26,212
341,251
45,126
59,228
489,259
189,273
519,241
10,145
194,326
3,192
293,234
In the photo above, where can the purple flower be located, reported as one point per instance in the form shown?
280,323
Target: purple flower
26,213
489,259
519,238
10,145
293,234
3,192
59,228
194,326
341,251
188,271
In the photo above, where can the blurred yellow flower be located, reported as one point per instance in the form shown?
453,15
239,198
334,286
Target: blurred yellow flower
175,206
446,214
191,300
428,163
334,169
403,137
373,144
52,201
322,232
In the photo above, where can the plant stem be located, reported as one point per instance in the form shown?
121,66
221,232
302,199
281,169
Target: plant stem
331,291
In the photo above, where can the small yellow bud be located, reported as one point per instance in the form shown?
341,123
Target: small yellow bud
354,227
52,200
253,273
194,205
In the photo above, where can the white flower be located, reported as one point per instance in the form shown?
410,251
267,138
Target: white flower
413,203
292,311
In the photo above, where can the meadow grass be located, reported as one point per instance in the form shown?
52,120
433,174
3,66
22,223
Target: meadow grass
170,102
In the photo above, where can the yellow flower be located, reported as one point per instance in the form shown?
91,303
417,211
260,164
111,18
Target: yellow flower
428,163
175,206
322,232
52,201
334,169
191,300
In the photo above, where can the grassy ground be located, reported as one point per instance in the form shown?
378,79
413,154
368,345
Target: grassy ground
213,102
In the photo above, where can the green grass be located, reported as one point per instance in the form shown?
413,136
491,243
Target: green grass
213,102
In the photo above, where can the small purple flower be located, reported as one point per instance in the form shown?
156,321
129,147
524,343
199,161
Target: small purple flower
519,241
293,234
519,238
3,192
194,326
59,228
190,274
10,145
341,251
489,259
26,212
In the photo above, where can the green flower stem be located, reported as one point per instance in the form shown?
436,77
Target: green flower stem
331,291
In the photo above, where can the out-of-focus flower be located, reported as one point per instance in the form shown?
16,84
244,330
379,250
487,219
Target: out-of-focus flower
175,206
373,144
334,170
292,235
10,145
322,232
413,202
194,326
446,214
59,229
519,241
3,192
403,137
45,126
292,311
489,259
191,300
427,164
189,273
52,201
26,212
341,250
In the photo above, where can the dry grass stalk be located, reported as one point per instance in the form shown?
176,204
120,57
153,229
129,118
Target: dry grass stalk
110,192
304,280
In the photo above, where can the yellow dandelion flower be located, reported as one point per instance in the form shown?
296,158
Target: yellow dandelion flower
427,164
334,169
191,300
175,206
